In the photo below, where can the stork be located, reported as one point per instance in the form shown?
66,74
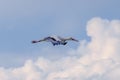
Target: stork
56,40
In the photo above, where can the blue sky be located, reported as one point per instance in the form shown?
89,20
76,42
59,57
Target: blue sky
22,21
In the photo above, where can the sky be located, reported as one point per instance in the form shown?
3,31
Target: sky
95,23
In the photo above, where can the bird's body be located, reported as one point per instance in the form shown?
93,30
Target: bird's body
56,40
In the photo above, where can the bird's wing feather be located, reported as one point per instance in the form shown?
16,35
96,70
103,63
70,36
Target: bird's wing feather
61,39
49,38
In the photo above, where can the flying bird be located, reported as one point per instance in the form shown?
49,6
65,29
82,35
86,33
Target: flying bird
56,40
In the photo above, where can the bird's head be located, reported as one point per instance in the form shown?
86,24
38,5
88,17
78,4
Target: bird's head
73,39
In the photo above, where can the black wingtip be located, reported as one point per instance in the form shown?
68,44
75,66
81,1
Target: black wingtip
34,42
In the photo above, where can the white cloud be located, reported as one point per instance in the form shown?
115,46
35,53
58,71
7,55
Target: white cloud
94,60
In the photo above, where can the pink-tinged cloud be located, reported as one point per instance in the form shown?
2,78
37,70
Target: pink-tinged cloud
99,61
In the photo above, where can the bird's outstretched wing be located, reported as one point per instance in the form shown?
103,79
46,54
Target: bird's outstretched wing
68,39
48,39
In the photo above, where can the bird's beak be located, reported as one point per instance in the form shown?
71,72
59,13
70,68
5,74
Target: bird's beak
75,40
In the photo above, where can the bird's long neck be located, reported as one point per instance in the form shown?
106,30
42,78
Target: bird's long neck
67,38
